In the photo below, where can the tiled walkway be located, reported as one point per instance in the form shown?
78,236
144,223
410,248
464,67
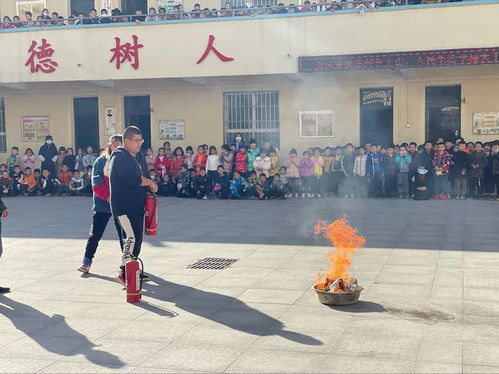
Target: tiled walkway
430,304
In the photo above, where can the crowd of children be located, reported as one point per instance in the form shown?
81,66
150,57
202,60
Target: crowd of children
439,170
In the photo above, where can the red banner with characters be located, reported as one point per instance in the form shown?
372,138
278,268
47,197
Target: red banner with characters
396,60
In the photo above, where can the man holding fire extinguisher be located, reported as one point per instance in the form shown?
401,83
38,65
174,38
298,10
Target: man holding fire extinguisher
129,184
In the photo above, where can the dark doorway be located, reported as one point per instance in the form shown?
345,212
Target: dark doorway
83,6
443,112
130,6
376,116
86,122
138,113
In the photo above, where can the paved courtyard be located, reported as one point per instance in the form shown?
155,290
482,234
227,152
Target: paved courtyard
430,304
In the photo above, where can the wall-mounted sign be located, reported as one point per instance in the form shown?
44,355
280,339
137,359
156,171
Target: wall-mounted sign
110,119
397,60
486,123
171,129
316,124
35,129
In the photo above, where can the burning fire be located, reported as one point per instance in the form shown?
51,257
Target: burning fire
345,243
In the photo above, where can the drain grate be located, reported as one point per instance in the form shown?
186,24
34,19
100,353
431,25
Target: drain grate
213,263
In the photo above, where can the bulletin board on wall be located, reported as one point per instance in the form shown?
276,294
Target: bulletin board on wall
317,124
171,129
35,128
486,123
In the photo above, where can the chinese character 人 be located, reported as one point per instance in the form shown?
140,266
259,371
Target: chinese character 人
40,58
126,52
211,47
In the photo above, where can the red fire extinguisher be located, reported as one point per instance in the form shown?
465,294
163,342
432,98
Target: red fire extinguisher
134,273
151,217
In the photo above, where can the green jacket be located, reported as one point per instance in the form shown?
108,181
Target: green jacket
252,155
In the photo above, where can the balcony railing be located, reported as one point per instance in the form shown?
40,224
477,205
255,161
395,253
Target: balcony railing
229,13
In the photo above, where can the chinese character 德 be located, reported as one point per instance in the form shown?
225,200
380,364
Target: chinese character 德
126,52
40,58
209,48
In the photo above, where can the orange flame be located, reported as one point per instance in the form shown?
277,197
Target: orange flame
345,243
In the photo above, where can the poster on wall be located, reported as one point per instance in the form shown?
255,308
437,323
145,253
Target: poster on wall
35,129
110,119
486,123
171,129
317,124
106,4
168,4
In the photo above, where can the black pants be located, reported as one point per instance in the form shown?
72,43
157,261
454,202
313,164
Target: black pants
476,187
132,229
99,223
211,179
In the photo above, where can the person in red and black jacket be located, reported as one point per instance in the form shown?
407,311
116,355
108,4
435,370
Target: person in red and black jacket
101,207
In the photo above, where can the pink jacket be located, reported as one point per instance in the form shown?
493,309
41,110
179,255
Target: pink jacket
28,161
306,167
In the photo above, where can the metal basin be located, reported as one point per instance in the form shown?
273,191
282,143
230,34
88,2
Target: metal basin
338,298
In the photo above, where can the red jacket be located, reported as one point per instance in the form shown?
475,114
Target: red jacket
200,161
442,161
162,162
175,163
241,162
65,178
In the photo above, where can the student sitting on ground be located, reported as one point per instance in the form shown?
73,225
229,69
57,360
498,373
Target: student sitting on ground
76,185
87,182
47,185
239,187
5,184
201,185
29,184
221,183
65,177
166,186
277,188
262,188
17,177
184,182
422,191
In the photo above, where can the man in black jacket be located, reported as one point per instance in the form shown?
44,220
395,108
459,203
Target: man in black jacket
426,159
129,183
4,213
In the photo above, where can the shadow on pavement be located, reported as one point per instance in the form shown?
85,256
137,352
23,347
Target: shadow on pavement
361,307
17,313
225,310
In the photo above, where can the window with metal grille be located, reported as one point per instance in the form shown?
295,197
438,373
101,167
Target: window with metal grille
3,131
254,114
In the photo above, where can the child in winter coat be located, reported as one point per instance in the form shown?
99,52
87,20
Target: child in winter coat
374,172
359,170
239,187
201,185
317,171
79,160
422,190
162,162
29,184
183,182
337,174
28,159
200,160
278,188
76,185
458,171
252,153
347,164
403,161
242,161
221,183
274,164
212,165
261,189
390,172
87,181
13,158
65,177
166,186
5,184
262,164
176,162
89,158
189,157
441,164
477,163
150,159
306,172
47,185
292,165
17,177
227,159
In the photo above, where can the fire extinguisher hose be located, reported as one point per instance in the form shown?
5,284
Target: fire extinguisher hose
141,273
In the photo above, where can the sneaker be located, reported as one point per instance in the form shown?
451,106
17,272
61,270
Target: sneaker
436,197
4,290
121,277
205,197
318,195
303,195
352,196
444,196
144,277
85,266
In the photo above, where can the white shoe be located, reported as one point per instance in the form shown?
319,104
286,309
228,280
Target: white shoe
205,197
303,195
318,195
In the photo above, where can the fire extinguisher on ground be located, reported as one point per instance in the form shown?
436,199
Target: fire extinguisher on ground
134,271
151,215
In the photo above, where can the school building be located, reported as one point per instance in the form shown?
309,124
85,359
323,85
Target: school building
393,74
